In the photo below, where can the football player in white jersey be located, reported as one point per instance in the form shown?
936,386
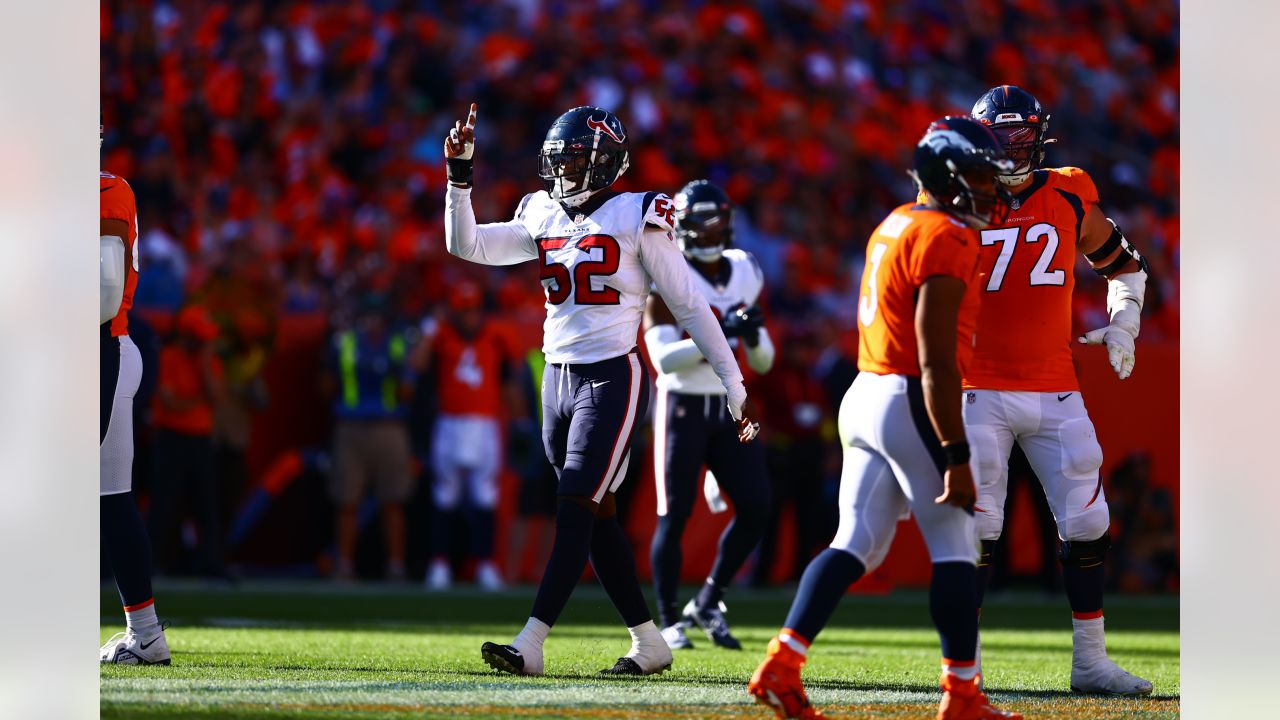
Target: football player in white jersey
691,427
598,251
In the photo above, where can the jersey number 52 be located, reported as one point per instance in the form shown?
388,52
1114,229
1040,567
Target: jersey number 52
578,282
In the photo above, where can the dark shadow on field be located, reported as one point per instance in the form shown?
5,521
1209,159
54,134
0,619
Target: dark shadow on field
846,685
313,603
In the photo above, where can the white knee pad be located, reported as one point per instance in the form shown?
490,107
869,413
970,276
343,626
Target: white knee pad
991,475
1084,515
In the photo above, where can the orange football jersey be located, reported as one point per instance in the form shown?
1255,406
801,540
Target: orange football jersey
1026,278
116,201
911,245
469,372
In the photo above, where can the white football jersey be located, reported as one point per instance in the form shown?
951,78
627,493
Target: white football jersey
591,270
596,272
743,286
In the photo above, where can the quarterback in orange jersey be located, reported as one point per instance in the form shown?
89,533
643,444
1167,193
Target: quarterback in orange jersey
123,534
1021,386
901,429
469,361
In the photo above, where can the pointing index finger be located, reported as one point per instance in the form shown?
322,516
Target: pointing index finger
471,117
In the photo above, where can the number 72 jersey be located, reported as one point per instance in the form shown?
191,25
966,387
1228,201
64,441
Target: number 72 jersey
1024,325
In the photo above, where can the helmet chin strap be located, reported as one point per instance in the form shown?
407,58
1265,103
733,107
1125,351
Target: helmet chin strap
1015,178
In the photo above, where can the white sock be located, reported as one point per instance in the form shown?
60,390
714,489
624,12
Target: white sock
963,672
1088,639
644,634
532,636
142,620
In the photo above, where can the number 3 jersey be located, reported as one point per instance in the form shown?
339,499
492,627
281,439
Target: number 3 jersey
596,271
1026,277
911,245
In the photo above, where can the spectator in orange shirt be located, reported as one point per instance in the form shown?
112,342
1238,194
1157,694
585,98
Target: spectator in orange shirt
470,361
189,388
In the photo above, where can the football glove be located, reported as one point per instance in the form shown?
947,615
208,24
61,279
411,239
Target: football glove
1124,304
744,322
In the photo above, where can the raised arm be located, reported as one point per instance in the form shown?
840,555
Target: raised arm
504,243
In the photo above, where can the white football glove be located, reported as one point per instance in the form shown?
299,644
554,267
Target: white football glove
1119,347
1124,304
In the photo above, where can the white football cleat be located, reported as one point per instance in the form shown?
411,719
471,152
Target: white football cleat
439,576
676,638
129,648
1104,677
488,577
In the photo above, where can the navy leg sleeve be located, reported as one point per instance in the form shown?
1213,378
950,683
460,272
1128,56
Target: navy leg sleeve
823,584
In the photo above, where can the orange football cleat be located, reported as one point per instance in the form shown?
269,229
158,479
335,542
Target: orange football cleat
964,700
776,683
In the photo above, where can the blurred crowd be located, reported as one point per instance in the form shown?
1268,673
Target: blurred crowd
286,157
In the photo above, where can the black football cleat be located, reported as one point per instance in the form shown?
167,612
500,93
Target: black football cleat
628,666
503,657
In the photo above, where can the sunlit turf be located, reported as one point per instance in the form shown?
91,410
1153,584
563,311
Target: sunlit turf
311,650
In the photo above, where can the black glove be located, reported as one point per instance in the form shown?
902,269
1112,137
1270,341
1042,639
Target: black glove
744,322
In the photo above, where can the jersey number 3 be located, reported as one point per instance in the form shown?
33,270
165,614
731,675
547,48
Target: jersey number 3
1008,239
870,300
560,287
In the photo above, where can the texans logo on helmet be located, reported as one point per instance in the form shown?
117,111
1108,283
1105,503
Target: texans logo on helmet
601,126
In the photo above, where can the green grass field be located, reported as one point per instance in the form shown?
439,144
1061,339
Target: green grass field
311,650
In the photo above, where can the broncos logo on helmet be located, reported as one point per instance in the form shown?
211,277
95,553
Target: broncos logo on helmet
951,153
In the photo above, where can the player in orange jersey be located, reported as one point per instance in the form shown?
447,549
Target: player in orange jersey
900,425
470,360
123,534
1021,386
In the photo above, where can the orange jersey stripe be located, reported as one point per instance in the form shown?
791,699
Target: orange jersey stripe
1026,276
117,203
911,245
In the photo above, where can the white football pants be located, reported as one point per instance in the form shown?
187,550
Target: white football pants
115,453
1055,432
466,448
893,468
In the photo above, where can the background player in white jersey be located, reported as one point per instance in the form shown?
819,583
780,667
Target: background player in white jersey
691,426
598,252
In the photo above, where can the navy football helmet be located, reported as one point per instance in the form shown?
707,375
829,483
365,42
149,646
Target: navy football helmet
953,161
1020,123
585,152
703,221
